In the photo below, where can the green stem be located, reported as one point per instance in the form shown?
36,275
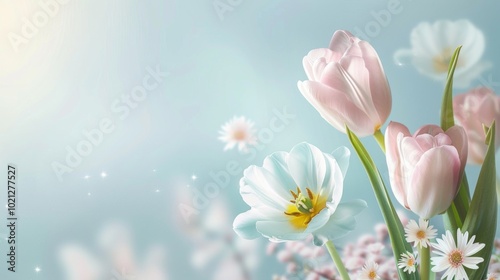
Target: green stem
338,261
498,189
380,139
425,255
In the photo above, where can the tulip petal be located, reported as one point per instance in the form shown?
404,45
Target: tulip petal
318,66
276,164
424,40
434,181
310,59
340,223
393,158
488,106
355,78
470,37
262,190
411,153
458,137
472,110
342,155
319,220
307,166
426,141
341,42
333,183
431,129
379,86
244,224
279,231
336,108
338,164
306,90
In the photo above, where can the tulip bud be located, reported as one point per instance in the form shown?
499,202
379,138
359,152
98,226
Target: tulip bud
347,85
425,169
474,111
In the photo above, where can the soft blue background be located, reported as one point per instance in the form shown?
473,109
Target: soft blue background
66,78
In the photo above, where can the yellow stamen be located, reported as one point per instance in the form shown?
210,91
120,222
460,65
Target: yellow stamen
310,194
303,208
293,214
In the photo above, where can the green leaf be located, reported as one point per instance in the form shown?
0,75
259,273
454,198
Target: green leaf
481,219
455,215
447,117
395,228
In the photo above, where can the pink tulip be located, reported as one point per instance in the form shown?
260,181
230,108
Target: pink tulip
425,169
474,109
347,85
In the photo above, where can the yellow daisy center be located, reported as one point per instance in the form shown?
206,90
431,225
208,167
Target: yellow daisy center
421,234
456,258
239,135
410,262
372,275
304,207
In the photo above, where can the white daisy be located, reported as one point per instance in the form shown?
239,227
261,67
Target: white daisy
369,271
238,130
408,262
433,44
492,276
421,234
454,257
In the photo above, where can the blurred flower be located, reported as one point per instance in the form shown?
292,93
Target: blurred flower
297,194
494,265
304,260
115,241
216,246
421,234
307,261
473,109
79,263
432,46
425,169
238,130
369,272
492,276
407,262
347,84
454,256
